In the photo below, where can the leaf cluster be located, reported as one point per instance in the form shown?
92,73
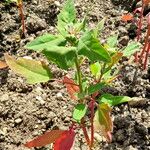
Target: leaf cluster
73,44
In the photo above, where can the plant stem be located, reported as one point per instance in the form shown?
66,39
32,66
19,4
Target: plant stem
79,75
22,16
85,132
92,119
140,22
145,44
146,57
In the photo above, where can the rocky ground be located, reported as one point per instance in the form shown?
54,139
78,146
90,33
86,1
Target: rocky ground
29,110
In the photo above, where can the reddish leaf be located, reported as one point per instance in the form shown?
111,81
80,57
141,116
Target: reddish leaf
2,65
65,141
71,86
127,17
47,138
103,122
146,2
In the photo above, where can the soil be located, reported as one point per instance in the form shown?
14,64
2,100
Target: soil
29,110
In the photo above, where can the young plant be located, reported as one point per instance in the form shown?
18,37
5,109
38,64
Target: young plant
20,8
74,43
141,58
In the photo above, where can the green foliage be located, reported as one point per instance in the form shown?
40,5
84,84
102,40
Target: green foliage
62,56
131,49
66,18
90,47
112,41
46,41
33,71
113,100
99,28
103,121
79,112
70,48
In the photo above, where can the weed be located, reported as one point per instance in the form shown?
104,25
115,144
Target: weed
74,44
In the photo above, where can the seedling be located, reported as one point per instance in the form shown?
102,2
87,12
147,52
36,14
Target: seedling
20,8
143,56
74,44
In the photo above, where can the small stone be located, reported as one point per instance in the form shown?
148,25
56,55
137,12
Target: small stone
39,98
98,137
122,30
59,95
57,3
18,120
39,90
137,101
130,148
124,40
4,98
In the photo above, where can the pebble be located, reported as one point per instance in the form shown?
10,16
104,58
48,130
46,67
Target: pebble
136,101
124,40
98,137
59,95
130,148
18,120
4,98
57,3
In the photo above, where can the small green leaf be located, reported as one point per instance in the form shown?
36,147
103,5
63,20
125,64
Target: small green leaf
79,26
91,48
114,60
112,41
62,56
79,112
113,100
33,71
99,27
95,69
45,41
66,16
94,88
131,49
103,121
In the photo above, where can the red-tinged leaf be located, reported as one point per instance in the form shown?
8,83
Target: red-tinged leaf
127,17
103,122
146,2
47,138
72,87
65,141
2,65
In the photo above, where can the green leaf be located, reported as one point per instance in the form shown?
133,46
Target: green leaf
94,88
66,16
114,60
113,100
33,71
103,121
99,27
79,26
62,56
131,49
45,41
91,48
95,69
112,41
79,112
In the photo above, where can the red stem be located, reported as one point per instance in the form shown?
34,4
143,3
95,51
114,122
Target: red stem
85,132
145,44
22,17
140,22
146,56
139,29
92,119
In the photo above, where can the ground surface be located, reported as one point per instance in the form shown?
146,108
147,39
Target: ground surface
27,111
